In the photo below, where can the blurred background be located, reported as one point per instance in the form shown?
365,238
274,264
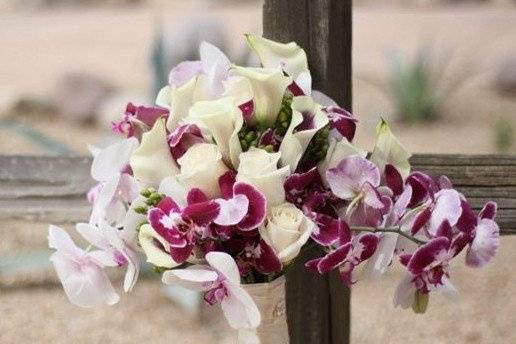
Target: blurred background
443,73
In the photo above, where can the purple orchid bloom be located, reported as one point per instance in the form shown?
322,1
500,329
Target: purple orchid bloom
182,227
138,119
342,122
307,192
480,233
428,266
184,137
253,252
349,254
243,205
441,206
356,179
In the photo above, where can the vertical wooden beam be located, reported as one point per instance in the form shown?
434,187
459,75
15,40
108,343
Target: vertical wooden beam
317,306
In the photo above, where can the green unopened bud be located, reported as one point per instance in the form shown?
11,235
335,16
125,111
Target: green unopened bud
269,148
147,192
420,303
159,269
141,210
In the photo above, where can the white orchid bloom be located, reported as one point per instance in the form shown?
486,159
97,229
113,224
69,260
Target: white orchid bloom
116,186
84,281
221,283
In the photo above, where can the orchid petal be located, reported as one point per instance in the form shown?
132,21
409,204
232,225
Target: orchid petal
225,265
239,308
111,160
347,179
232,211
488,211
257,206
427,254
334,258
196,277
447,207
485,244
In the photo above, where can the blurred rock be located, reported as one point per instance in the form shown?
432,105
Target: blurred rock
505,81
79,95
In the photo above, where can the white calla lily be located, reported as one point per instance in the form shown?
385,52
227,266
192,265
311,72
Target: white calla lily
289,57
388,150
223,120
268,86
152,161
307,119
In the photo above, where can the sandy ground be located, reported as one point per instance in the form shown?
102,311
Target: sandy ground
40,45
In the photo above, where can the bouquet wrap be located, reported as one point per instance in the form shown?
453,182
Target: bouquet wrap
270,299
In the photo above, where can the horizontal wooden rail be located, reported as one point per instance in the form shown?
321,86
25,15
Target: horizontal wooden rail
55,187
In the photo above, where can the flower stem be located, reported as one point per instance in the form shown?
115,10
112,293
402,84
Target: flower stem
396,230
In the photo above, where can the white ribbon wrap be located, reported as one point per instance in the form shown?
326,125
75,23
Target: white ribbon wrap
270,299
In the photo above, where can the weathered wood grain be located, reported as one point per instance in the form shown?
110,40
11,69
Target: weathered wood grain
317,307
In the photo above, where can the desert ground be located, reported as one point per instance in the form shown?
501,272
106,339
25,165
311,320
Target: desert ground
40,44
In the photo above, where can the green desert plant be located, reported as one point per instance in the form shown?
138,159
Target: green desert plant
419,88
503,134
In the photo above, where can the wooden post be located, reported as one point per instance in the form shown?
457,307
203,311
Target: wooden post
317,306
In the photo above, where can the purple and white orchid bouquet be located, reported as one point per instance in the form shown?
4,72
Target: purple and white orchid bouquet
236,170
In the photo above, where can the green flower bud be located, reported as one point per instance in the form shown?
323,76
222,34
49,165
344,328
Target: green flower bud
141,210
420,303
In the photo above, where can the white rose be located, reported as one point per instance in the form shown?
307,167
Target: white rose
286,230
223,120
201,167
260,169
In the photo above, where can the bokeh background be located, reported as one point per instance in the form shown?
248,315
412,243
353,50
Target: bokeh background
443,73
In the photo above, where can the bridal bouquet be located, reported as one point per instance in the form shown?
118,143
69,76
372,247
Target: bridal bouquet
236,170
